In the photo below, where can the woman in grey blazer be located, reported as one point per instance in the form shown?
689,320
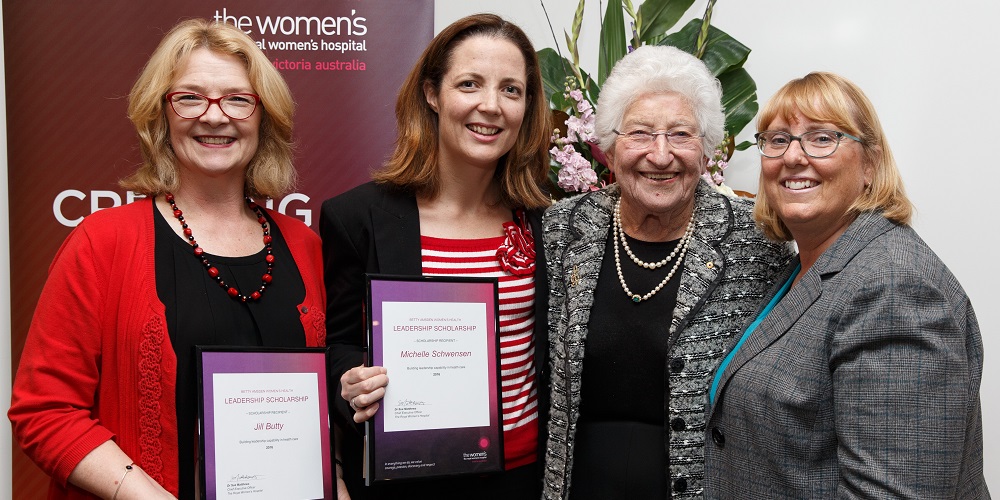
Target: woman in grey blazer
860,378
650,281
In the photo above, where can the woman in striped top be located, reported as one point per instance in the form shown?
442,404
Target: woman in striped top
460,195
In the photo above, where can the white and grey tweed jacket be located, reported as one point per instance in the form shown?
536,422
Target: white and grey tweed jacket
728,269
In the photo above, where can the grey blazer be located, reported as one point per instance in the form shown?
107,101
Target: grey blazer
862,382
727,271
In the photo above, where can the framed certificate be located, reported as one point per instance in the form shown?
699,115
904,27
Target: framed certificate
438,338
264,424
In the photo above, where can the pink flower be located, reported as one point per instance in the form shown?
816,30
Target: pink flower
576,173
580,126
714,177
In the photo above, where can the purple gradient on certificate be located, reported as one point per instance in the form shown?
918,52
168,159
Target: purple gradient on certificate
441,414
265,419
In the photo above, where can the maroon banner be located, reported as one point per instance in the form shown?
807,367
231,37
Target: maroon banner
70,66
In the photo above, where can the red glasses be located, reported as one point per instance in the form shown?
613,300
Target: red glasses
189,105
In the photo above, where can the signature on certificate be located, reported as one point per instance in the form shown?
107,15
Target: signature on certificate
411,402
246,477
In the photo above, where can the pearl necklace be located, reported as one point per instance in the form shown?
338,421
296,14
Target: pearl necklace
618,232
213,272
628,250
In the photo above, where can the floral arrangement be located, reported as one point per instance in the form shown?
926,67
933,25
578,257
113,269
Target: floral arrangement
577,163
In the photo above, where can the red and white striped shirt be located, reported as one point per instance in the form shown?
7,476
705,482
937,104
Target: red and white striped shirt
519,393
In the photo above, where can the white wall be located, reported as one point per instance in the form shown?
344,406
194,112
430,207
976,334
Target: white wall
929,67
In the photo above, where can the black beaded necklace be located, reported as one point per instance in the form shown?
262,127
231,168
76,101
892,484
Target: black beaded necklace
213,272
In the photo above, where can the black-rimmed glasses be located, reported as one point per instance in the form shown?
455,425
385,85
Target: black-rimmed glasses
190,105
641,139
815,143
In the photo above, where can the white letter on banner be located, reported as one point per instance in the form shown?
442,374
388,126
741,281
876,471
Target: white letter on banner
95,200
57,207
305,214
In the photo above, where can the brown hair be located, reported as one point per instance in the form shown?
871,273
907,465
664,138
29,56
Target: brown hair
413,164
270,172
830,98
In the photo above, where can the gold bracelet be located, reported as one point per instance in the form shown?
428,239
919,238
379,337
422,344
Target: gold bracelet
128,468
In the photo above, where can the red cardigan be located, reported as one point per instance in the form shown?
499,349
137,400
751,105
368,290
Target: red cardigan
97,363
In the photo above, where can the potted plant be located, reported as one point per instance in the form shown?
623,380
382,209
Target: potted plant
577,163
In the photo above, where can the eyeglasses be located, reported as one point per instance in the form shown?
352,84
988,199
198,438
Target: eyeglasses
189,105
815,143
640,139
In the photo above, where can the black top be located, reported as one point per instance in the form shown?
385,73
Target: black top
623,369
623,398
200,312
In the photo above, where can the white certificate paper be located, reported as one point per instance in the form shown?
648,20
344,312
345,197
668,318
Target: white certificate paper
436,355
260,420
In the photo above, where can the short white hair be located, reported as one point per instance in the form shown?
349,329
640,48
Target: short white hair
655,69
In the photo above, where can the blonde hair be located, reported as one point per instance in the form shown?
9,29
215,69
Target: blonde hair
413,165
830,98
271,172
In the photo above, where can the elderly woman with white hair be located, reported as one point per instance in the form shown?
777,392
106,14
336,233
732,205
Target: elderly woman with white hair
651,280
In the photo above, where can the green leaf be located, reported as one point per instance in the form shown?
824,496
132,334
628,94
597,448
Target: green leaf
685,38
578,20
723,52
554,70
745,145
612,40
627,5
573,50
658,16
594,90
739,98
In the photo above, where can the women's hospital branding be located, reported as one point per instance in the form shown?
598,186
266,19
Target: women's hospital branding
262,27
299,25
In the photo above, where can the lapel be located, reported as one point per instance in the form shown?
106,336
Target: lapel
701,271
541,295
806,292
396,232
589,224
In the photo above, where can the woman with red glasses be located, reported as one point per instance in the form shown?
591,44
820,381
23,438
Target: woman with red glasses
105,397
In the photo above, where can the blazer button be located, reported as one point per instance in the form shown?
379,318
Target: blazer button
304,309
718,437
678,424
676,365
681,485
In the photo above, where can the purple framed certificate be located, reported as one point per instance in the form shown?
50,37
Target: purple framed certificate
264,423
438,338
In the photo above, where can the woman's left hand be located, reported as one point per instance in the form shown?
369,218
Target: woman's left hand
363,387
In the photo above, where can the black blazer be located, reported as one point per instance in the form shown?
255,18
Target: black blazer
375,228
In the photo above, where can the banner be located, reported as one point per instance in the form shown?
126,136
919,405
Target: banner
69,68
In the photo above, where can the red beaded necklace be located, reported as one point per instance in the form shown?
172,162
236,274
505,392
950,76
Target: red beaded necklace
199,252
